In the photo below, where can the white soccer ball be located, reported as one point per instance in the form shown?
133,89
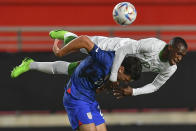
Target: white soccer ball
124,13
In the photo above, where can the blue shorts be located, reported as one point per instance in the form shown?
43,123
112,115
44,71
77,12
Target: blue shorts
81,112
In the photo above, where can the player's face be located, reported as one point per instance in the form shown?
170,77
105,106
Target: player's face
122,76
176,54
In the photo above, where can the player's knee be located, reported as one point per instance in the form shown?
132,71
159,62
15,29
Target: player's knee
84,39
87,127
56,67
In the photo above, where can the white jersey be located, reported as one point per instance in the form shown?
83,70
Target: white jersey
147,50
110,43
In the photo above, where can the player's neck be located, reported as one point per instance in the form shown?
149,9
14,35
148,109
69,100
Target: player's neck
163,55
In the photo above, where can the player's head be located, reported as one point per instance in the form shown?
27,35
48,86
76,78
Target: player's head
130,69
177,49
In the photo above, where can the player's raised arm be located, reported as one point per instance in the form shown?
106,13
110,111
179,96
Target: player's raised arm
119,56
74,45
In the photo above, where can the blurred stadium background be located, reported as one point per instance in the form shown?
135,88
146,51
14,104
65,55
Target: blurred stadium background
34,100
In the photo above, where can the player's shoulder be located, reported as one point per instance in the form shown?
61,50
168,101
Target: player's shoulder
153,41
151,44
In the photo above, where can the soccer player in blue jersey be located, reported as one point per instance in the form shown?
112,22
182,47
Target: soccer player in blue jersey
91,74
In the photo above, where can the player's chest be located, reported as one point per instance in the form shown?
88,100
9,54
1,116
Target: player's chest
151,63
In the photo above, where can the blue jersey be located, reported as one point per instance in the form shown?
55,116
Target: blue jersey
90,74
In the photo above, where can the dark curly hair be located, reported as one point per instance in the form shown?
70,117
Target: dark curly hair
178,40
132,67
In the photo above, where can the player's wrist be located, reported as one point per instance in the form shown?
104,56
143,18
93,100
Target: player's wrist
130,91
134,92
113,77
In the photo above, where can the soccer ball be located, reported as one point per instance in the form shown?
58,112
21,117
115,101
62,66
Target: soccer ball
124,13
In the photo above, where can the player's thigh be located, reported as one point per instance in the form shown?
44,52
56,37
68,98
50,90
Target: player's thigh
101,127
98,117
87,127
78,111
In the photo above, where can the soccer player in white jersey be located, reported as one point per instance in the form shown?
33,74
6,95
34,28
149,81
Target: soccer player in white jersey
155,55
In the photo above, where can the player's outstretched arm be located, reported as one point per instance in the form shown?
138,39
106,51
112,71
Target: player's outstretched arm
74,45
120,54
118,59
159,80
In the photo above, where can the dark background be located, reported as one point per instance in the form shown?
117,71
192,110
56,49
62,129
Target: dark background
38,91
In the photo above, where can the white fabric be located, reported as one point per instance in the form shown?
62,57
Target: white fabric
147,50
69,34
160,79
110,43
57,67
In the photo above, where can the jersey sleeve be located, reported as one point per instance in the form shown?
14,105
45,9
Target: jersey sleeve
131,48
101,56
159,80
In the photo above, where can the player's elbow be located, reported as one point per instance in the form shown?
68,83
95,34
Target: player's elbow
84,38
156,88
86,42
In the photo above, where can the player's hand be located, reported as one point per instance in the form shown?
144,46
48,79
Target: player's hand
122,91
98,90
105,87
55,47
113,85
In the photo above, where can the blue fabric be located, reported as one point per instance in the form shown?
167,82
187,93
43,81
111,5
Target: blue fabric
79,99
91,74
81,112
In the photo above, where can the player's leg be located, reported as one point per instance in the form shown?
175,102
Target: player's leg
66,36
57,67
79,113
101,127
98,117
23,67
88,127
